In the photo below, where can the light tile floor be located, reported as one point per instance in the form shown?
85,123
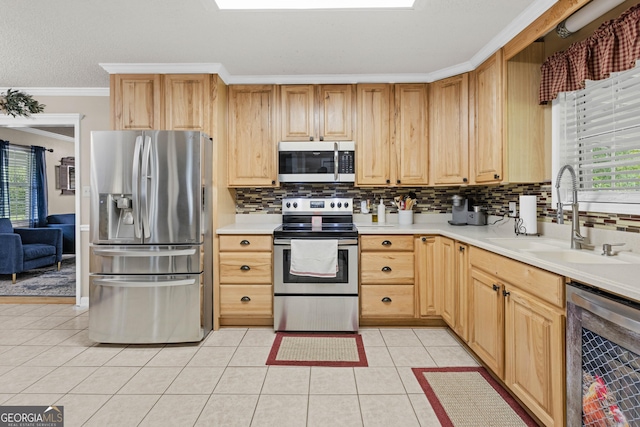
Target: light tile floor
47,358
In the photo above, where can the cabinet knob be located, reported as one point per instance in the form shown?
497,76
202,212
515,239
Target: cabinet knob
310,138
464,180
388,181
461,248
386,299
496,287
273,183
506,293
386,243
496,176
424,239
397,181
245,268
245,242
245,299
385,268
322,138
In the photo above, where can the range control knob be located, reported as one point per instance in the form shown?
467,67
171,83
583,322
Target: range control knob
333,205
295,204
346,204
288,204
339,204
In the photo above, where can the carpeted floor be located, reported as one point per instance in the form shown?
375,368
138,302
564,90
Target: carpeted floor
470,397
45,281
317,350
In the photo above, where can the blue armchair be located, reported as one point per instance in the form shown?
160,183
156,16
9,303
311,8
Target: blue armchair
23,249
66,223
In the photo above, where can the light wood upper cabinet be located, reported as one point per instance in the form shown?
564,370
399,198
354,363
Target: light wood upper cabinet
449,130
411,135
373,139
252,136
316,112
136,101
488,94
186,99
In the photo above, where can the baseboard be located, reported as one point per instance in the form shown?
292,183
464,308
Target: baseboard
84,302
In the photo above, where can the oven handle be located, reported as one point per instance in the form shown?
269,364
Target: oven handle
341,242
596,307
335,161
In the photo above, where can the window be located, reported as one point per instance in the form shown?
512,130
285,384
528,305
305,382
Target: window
597,131
21,169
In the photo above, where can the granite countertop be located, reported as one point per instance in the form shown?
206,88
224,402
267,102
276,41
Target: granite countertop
620,278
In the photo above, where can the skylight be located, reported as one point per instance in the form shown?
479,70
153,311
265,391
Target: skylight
313,4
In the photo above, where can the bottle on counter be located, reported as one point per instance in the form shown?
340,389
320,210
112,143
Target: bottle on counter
381,212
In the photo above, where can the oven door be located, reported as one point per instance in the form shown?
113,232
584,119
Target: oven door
345,282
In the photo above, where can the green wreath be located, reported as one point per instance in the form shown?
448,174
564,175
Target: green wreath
16,103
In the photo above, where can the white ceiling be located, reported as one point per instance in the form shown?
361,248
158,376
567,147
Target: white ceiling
61,43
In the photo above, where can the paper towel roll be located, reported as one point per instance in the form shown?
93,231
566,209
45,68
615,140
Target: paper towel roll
528,215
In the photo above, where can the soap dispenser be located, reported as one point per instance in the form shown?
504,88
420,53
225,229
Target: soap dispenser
381,212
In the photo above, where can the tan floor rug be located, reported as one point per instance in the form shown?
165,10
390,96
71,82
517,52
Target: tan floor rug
317,350
464,397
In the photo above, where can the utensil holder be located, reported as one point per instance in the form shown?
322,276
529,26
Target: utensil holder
405,217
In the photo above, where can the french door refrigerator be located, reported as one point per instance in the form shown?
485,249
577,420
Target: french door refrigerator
151,244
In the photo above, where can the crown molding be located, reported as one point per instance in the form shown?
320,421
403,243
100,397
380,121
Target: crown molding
167,68
42,119
61,91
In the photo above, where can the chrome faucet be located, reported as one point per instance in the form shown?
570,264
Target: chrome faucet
576,237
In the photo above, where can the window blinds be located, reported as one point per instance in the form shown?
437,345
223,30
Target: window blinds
600,137
19,174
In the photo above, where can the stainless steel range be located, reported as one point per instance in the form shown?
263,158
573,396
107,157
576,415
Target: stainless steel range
316,233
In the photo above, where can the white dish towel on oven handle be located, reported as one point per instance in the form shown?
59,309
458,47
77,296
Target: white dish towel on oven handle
314,258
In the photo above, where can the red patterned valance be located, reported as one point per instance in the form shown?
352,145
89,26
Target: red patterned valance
614,46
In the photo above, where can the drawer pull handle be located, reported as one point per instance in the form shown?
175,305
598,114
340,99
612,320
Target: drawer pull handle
386,299
245,299
496,287
385,268
245,268
386,243
245,242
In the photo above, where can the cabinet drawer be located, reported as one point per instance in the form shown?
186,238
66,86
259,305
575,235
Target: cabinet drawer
400,304
540,283
386,243
243,300
242,242
387,268
249,267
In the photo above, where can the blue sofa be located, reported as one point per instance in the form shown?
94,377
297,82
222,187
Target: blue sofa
23,249
66,223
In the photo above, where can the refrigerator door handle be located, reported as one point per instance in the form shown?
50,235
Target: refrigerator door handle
134,284
148,254
136,187
146,157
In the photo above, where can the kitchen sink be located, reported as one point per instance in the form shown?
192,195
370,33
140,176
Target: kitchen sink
529,243
579,257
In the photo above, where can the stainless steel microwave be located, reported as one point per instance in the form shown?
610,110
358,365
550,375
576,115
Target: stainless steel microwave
316,161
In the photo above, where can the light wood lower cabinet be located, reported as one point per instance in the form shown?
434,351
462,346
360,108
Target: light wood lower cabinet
517,329
246,280
387,276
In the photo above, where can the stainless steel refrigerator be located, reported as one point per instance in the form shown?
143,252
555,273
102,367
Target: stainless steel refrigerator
151,243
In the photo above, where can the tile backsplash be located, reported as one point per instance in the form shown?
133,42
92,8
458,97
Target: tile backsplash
430,200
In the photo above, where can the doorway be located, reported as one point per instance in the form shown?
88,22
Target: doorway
61,123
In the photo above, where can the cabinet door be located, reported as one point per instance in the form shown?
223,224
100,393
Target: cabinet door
135,101
187,101
252,137
297,113
372,137
488,117
426,270
534,349
445,279
335,105
411,136
487,320
462,288
449,130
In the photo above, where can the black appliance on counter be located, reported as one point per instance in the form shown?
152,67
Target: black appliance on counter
307,303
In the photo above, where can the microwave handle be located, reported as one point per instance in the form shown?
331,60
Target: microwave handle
335,161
